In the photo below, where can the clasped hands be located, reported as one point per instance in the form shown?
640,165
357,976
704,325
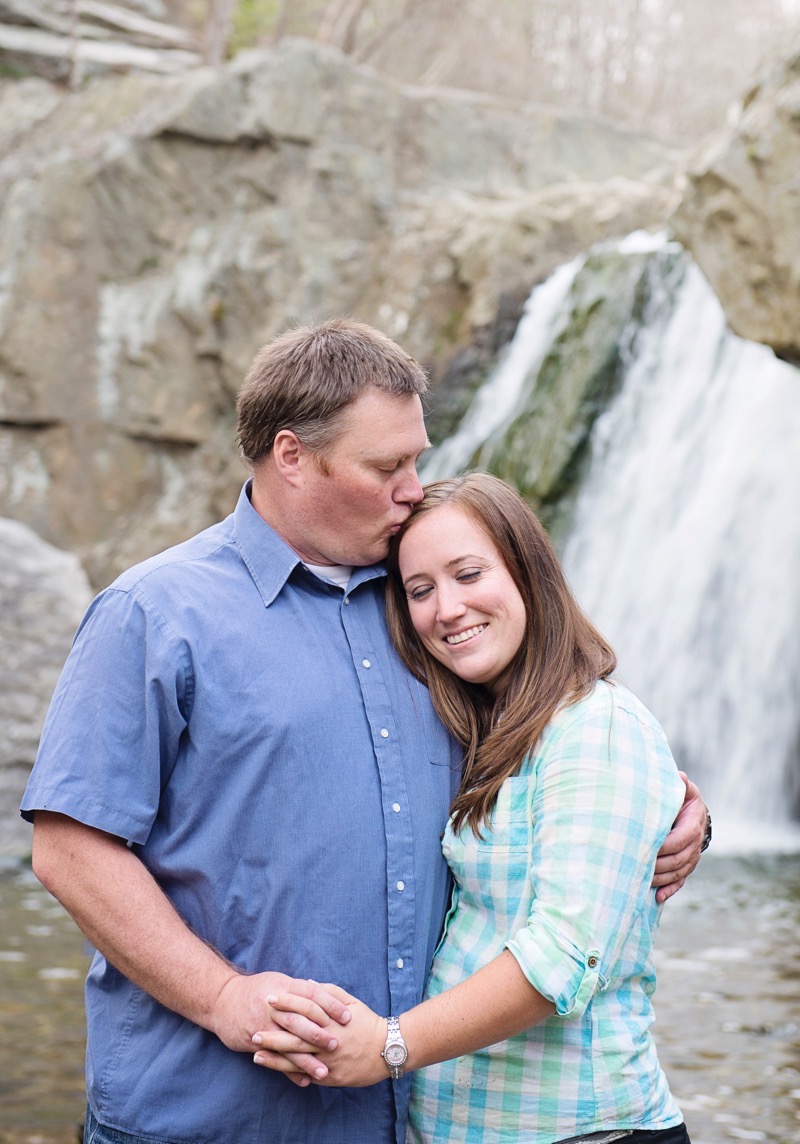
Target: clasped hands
323,1035
312,1040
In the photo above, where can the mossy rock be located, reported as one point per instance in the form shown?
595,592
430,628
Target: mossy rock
544,450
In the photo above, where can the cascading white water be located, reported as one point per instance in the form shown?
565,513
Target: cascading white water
684,548
502,395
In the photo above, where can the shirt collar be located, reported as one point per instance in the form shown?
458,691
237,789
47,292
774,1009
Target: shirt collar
269,559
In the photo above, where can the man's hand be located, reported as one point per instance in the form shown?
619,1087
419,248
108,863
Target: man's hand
680,853
243,1008
125,914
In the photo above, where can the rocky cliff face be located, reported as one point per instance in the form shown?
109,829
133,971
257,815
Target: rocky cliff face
43,593
156,230
740,211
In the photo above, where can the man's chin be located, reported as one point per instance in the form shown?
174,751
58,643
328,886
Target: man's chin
376,556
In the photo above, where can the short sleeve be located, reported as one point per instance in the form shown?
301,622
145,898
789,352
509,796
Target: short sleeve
112,732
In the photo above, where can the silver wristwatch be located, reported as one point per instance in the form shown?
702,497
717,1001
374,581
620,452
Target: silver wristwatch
395,1052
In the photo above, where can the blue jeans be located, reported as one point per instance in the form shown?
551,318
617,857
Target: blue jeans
94,1133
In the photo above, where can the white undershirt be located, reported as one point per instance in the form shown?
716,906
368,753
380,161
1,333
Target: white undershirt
338,574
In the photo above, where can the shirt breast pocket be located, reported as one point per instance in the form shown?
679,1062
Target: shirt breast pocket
508,828
439,747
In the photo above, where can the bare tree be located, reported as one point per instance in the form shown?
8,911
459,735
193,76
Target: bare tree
339,24
74,46
666,66
385,30
281,21
217,30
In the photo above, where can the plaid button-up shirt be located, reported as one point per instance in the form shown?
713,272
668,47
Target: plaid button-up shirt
563,880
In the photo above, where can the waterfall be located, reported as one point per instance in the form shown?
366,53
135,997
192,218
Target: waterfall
504,393
684,548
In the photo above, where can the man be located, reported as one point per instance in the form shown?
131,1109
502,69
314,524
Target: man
239,787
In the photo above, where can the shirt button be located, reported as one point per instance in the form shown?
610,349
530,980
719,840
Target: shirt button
384,733
347,599
400,963
366,663
592,962
401,885
396,807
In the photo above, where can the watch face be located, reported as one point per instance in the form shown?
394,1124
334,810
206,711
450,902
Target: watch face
395,1054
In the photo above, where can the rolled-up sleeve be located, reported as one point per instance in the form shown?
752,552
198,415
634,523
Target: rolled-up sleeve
604,793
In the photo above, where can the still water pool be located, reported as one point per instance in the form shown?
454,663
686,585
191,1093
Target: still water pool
728,1005
728,1000
43,960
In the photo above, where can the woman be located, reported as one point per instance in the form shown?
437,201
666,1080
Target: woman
569,789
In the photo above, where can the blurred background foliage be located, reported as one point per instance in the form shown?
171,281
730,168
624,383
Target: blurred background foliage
667,67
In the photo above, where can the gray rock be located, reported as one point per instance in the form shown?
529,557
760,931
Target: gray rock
740,211
43,594
155,231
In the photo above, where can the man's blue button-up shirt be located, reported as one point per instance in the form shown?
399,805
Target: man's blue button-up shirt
249,729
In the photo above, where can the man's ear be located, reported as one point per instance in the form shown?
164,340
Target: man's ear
290,456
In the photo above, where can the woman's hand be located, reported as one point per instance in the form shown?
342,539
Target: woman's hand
681,850
343,1056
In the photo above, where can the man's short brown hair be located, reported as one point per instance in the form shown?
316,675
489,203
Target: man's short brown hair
303,379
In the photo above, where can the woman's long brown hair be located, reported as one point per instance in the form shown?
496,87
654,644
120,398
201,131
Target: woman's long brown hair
558,663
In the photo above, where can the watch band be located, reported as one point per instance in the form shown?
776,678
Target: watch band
707,836
395,1051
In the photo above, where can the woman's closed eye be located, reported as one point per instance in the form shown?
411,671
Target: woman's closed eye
419,593
423,590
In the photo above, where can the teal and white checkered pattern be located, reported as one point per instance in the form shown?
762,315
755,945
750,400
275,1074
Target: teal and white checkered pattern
571,899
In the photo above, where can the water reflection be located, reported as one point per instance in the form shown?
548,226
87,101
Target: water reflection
728,1005
728,1002
43,960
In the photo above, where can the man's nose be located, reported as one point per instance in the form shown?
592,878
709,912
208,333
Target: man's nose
409,491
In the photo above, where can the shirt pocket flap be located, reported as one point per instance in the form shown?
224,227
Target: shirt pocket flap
508,826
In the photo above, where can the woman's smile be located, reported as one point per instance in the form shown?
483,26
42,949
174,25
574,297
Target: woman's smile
460,637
